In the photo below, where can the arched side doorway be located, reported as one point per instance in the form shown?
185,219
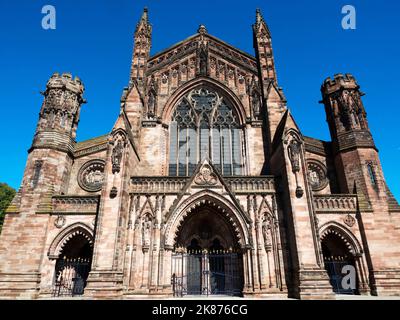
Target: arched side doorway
73,264
340,261
207,259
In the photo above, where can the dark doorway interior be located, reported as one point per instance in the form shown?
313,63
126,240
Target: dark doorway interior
73,267
336,257
208,259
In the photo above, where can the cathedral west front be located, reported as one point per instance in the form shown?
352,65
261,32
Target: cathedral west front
204,186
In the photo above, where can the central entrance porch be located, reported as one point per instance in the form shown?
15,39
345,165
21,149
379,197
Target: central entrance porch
207,259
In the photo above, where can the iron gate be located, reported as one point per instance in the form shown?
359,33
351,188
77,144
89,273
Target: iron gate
204,273
71,276
334,269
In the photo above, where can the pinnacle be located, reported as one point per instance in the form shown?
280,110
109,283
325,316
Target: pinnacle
202,29
259,16
145,17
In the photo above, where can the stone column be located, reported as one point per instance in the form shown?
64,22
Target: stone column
136,258
248,267
167,269
254,257
363,286
261,257
145,268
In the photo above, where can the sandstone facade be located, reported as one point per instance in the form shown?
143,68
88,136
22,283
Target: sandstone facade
204,184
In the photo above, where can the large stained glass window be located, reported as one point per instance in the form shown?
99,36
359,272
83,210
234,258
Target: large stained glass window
204,125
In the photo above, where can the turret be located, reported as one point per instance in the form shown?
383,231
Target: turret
59,115
345,113
50,156
356,157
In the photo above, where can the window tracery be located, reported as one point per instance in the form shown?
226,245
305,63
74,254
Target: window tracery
205,125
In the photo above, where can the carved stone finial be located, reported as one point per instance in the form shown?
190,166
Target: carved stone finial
202,29
259,17
145,16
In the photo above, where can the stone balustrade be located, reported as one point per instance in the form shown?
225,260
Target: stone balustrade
259,184
335,203
157,184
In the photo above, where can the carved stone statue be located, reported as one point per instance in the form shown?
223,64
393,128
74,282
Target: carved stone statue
256,105
146,231
266,231
151,103
116,157
314,178
203,63
294,154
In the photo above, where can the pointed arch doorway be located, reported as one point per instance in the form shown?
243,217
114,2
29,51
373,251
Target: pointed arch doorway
73,264
339,262
207,258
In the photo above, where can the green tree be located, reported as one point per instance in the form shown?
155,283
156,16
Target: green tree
6,195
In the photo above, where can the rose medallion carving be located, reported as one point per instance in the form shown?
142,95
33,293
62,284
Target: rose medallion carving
60,221
206,176
317,175
349,220
91,176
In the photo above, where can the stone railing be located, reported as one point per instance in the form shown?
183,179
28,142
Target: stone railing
176,184
75,204
157,184
335,203
251,184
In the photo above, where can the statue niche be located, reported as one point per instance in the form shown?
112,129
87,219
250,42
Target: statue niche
116,157
146,231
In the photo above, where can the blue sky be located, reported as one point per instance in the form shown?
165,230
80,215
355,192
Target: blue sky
94,38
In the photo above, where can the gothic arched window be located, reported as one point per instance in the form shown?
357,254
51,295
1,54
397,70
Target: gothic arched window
371,173
205,125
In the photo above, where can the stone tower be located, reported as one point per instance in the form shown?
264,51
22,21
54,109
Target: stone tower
46,173
55,134
359,171
356,156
